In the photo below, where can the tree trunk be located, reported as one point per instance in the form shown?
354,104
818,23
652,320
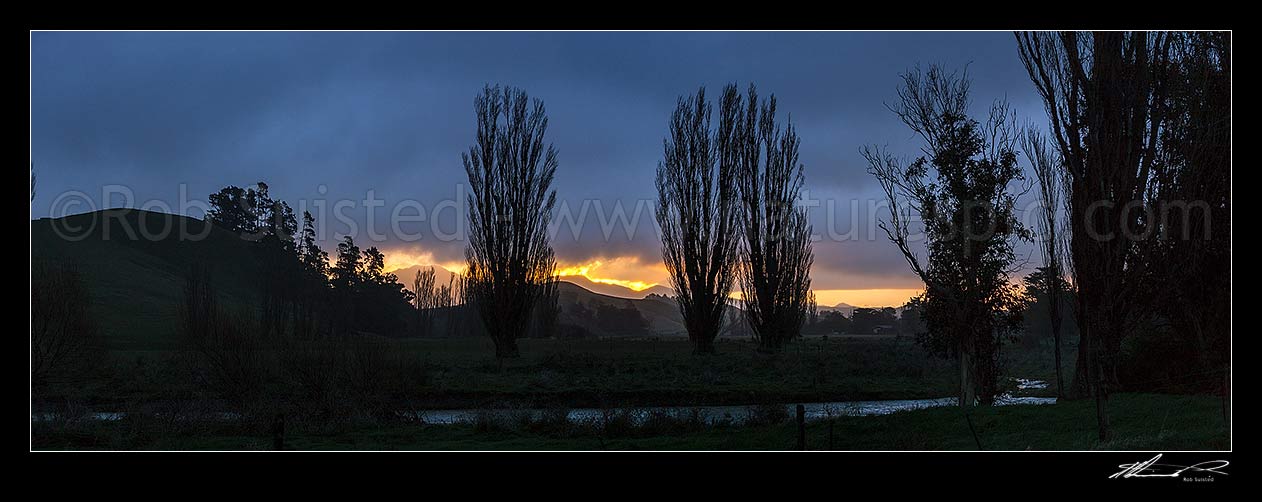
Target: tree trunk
1060,379
1054,311
770,342
506,347
1100,390
703,345
967,388
1081,386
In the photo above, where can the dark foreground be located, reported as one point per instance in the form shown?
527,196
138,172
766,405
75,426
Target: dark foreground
1140,422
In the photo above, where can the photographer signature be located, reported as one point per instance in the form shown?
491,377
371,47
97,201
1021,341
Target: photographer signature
1151,469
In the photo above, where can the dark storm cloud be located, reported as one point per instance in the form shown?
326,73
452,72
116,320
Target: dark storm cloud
334,116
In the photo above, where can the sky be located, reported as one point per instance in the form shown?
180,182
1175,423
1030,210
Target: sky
366,130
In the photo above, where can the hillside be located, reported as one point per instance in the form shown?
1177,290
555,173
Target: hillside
442,275
408,274
134,263
660,313
616,290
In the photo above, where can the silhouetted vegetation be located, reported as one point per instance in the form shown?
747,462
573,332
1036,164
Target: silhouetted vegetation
874,320
299,293
256,328
775,258
1142,192
224,349
969,307
698,213
66,345
510,262
829,322
1049,171
544,319
1037,329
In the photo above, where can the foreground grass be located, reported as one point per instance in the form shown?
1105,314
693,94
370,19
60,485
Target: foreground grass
1140,422
462,373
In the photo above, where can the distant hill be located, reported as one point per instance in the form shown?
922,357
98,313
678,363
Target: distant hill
660,313
408,274
846,309
616,290
441,276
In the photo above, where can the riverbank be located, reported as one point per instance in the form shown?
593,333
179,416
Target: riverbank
1140,422
430,374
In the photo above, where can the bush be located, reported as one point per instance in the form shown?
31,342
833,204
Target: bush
766,414
66,346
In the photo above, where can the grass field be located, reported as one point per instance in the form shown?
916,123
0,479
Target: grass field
1140,422
462,373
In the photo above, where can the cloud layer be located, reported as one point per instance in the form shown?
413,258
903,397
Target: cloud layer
328,117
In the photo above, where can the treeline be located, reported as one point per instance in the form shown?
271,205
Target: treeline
617,320
1135,232
1140,127
309,348
862,321
729,214
302,292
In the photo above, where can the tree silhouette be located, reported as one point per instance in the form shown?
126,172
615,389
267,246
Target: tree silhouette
1191,191
313,283
426,300
447,295
812,309
775,257
1048,170
65,341
373,266
970,308
510,176
226,356
314,259
1103,93
698,214
230,210
345,278
547,310
345,271
252,213
381,302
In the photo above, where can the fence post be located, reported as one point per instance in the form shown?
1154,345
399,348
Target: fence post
830,435
801,427
278,432
1227,397
972,430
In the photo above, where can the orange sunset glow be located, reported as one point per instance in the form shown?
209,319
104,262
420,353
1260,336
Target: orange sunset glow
398,259
865,297
625,271
632,273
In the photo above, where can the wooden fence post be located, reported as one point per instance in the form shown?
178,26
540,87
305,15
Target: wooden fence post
801,427
830,435
1227,397
278,432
